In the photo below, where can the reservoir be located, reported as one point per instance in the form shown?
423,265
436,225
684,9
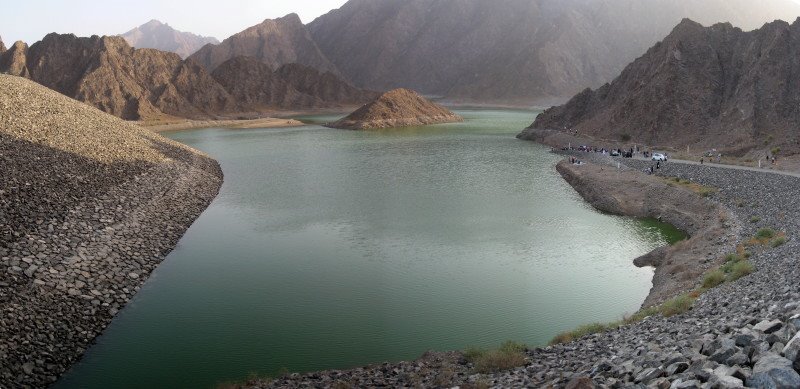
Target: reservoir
331,249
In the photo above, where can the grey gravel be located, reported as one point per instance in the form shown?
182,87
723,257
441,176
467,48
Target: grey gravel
86,202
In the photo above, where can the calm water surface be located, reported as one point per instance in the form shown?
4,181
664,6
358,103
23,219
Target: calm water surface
333,249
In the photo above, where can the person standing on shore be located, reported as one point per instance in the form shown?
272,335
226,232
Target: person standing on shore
701,160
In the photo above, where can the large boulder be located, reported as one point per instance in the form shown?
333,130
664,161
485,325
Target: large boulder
774,372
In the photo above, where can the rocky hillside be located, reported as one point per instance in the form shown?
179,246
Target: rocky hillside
325,86
2,46
716,87
525,51
13,60
274,42
89,205
396,108
149,84
110,75
157,35
257,87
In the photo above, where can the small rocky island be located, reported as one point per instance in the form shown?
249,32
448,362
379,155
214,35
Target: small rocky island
397,108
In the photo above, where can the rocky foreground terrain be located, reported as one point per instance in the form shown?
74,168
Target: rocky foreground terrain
160,36
741,333
396,108
89,206
712,87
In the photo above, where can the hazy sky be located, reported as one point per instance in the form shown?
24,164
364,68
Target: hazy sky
30,20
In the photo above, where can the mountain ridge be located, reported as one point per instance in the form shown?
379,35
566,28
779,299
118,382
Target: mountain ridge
513,51
157,35
704,87
149,84
275,42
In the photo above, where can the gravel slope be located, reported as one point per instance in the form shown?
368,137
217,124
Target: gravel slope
89,206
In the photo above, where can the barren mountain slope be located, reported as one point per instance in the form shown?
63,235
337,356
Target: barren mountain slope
275,42
110,75
530,51
157,35
709,87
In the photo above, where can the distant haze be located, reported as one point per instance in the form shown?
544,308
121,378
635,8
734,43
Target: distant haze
31,20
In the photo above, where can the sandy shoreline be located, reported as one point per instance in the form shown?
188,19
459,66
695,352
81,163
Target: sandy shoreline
229,124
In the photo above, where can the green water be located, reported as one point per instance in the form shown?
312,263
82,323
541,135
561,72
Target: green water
334,249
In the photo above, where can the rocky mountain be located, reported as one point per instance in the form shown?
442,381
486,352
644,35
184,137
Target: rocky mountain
325,86
396,108
129,83
707,87
13,60
157,35
257,87
274,42
529,51
2,46
149,84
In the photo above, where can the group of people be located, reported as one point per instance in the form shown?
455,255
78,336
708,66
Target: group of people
652,169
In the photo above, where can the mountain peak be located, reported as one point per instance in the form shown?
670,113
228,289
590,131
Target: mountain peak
275,42
153,23
158,35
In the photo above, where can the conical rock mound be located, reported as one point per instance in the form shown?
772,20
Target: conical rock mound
397,108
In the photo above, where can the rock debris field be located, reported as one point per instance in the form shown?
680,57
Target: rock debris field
739,334
89,206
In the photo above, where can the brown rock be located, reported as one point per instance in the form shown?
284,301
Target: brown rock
581,383
110,75
253,84
13,61
396,108
274,42
327,87
257,87
2,46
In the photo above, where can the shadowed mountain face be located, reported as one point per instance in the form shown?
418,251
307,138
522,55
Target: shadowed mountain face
157,35
257,87
510,50
274,42
715,87
2,46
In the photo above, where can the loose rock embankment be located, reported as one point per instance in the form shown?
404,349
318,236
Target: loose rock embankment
713,230
89,206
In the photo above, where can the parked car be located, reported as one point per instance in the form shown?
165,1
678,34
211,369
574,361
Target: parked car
615,153
659,157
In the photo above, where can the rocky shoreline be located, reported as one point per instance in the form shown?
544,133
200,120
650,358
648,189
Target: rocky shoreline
89,206
741,333
713,230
